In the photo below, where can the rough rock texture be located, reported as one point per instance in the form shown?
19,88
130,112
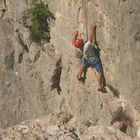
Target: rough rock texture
118,36
118,31
41,79
53,128
27,70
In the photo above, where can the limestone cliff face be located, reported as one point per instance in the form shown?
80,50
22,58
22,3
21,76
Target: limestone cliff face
53,128
118,38
26,68
41,79
117,35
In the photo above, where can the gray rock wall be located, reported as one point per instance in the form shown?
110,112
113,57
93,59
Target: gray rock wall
41,79
117,30
26,69
52,127
117,35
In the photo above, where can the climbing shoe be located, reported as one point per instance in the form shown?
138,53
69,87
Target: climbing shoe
79,78
103,90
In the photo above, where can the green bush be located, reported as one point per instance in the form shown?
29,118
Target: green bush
40,15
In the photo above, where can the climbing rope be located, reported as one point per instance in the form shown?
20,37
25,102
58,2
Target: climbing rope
86,16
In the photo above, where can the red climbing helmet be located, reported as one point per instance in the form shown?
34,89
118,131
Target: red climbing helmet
78,43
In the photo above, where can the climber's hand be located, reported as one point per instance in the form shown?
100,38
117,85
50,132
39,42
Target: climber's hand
93,26
76,33
84,58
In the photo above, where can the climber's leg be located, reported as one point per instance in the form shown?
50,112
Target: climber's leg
83,66
99,80
94,62
79,75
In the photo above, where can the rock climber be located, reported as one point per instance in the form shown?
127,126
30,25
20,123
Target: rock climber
90,58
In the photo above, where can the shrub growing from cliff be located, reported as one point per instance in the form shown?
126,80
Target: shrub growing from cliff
39,20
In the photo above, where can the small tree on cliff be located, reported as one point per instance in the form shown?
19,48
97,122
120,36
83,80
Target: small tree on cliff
40,15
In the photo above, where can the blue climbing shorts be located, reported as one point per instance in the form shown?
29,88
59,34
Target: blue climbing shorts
92,62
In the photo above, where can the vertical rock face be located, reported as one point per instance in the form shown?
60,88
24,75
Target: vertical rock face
41,79
26,68
118,36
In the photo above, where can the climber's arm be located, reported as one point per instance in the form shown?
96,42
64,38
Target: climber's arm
76,34
91,33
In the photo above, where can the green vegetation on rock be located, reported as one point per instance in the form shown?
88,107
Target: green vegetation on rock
40,15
